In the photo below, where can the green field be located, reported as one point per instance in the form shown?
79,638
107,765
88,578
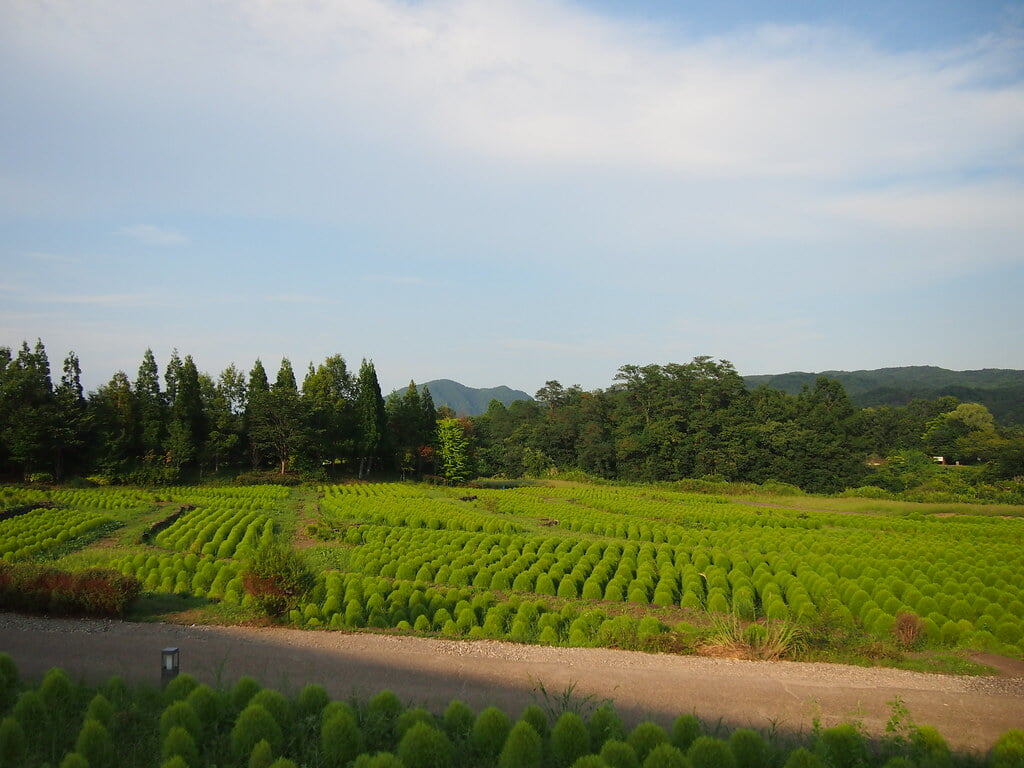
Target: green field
647,567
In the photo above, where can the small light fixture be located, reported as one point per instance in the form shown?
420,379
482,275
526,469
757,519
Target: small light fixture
169,665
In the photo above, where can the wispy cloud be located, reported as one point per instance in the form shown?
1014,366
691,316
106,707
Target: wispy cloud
150,235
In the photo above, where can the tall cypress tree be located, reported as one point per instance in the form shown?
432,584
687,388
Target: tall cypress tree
150,406
371,418
72,419
255,404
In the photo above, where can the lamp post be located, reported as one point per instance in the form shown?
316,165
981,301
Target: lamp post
169,665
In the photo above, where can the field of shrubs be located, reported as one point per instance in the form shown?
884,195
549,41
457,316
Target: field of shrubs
190,725
640,567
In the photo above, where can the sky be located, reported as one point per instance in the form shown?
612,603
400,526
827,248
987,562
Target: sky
513,191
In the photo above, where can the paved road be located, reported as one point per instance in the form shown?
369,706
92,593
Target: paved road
970,712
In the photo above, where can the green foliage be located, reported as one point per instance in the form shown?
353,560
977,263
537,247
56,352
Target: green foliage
379,760
749,748
709,752
619,754
604,724
801,757
262,755
425,747
570,739
666,756
490,730
458,721
244,690
13,745
100,709
277,577
76,760
255,724
181,715
523,748
180,742
645,737
179,688
341,740
96,746
686,729
1008,751
843,746
928,748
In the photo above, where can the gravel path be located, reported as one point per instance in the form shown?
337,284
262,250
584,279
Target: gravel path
970,712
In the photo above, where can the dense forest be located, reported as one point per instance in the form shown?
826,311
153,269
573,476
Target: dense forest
655,423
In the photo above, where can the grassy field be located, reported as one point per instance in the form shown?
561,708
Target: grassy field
646,567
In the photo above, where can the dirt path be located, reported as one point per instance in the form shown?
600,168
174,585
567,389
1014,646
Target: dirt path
970,712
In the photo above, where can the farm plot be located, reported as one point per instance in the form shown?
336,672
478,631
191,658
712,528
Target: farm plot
598,565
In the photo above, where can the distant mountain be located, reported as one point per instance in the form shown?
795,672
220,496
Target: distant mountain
998,389
469,401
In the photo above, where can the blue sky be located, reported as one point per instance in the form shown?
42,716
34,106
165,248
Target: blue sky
513,191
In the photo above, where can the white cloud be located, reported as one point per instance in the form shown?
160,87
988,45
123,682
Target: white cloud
150,235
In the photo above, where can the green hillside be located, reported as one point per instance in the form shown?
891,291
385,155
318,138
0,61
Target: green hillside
470,401
1000,390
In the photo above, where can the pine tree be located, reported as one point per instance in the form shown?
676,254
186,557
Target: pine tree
371,418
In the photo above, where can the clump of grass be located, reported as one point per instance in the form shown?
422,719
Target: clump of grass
769,640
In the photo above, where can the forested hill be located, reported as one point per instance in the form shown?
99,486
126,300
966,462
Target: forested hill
998,389
469,401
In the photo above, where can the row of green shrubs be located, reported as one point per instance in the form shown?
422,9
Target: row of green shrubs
190,725
43,589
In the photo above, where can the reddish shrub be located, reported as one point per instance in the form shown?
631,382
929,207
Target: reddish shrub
40,589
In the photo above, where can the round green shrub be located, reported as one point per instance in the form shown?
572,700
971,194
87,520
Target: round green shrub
13,745
312,700
490,730
535,716
409,718
75,760
262,755
523,748
645,737
180,742
208,706
927,747
604,724
666,756
244,689
340,739
803,758
379,760
96,746
276,704
709,752
749,748
1008,751
253,725
570,739
458,720
283,762
385,705
57,690
179,688
181,714
843,747
686,729
100,709
425,747
618,754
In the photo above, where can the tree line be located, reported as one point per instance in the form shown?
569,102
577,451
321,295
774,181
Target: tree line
655,423
147,430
